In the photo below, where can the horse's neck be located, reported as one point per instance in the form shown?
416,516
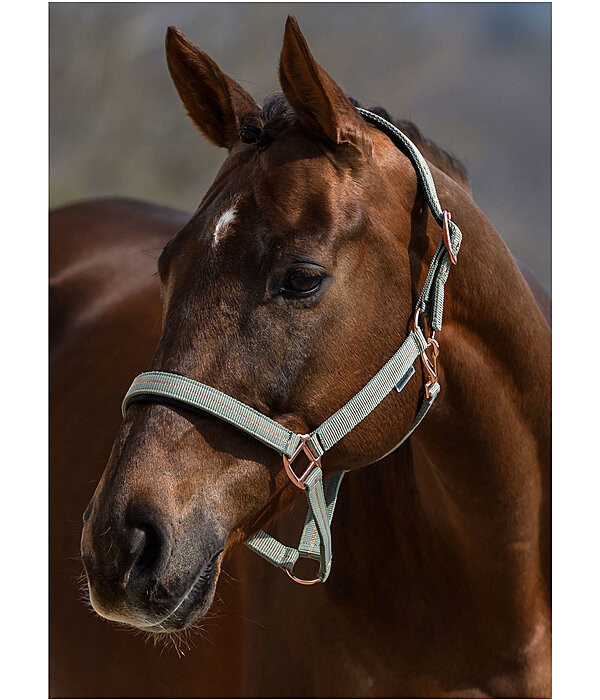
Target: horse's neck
459,518
482,456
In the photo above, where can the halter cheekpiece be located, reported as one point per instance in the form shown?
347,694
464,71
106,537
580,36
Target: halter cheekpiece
315,542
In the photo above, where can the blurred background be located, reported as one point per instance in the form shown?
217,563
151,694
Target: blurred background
475,77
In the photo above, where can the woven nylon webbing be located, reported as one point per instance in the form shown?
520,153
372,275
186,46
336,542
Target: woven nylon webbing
370,396
272,550
316,537
200,396
310,541
419,163
426,404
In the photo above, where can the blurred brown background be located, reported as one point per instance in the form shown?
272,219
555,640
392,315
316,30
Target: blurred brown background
474,76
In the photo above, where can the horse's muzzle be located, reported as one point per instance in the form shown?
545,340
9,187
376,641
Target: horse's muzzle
138,575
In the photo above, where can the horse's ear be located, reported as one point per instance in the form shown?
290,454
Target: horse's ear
217,105
315,96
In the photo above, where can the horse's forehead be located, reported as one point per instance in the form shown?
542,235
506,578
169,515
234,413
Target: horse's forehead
289,190
303,194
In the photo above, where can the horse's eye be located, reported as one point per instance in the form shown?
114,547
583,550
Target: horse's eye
301,282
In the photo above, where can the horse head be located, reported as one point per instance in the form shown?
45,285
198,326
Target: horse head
290,286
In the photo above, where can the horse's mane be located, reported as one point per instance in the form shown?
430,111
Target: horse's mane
278,113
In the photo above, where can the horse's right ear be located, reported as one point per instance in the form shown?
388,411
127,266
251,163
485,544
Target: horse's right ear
217,105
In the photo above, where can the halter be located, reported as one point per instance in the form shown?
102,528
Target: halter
315,542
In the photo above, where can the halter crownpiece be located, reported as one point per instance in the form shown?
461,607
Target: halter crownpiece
315,542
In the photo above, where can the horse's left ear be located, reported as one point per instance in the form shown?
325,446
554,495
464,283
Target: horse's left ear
217,105
315,96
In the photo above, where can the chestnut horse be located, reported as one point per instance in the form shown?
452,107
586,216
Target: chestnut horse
290,286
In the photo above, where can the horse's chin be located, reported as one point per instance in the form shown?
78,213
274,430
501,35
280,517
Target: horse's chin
183,614
189,611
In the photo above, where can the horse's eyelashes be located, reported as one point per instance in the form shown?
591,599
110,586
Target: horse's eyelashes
301,281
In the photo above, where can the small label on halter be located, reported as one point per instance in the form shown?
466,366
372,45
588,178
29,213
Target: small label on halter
405,379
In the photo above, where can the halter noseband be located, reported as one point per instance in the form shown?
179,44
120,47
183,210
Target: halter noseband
315,542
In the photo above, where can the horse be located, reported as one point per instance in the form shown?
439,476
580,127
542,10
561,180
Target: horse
289,287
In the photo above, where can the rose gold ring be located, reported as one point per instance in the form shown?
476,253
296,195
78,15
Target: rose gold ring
302,581
427,328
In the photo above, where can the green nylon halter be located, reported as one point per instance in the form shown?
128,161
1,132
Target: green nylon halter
315,542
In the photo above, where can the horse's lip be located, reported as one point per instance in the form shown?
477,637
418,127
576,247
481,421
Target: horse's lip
179,616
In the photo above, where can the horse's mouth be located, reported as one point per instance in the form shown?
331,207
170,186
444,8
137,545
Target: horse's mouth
194,604
189,609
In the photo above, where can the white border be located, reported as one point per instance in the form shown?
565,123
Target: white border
24,360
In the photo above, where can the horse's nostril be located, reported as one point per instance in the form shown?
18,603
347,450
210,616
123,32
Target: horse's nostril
145,549
87,512
148,548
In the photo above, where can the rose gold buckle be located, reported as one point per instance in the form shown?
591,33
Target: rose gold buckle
446,216
294,478
430,366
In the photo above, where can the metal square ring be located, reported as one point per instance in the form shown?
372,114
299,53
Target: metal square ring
313,462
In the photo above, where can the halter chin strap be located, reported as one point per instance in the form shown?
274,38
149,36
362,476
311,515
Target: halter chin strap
315,541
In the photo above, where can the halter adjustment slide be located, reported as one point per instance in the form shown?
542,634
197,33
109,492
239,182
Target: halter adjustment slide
446,216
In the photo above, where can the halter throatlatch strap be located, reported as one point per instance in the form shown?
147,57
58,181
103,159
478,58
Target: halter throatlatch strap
315,541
